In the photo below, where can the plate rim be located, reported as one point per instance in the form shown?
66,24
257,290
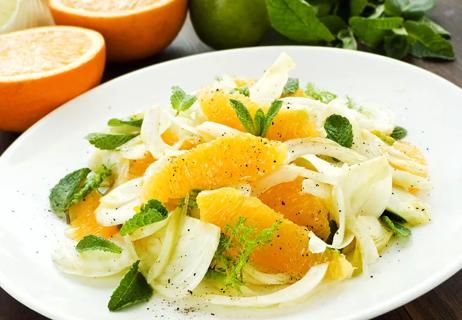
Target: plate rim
376,310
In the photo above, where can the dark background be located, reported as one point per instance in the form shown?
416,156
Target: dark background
442,303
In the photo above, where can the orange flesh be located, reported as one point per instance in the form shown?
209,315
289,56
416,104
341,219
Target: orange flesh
221,162
302,208
138,167
83,219
288,252
108,5
288,124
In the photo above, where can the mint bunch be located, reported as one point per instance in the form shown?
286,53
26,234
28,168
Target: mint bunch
397,28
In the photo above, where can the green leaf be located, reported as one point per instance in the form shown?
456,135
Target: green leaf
259,121
411,9
91,242
323,7
435,27
92,182
270,115
348,39
333,23
357,7
290,87
396,46
426,43
371,32
398,133
132,289
180,100
105,141
119,122
397,228
151,212
244,91
321,95
243,115
339,129
297,20
62,194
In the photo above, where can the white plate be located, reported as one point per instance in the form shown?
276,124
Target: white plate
427,105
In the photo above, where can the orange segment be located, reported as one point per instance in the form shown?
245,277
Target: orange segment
288,124
42,68
83,218
288,252
221,162
302,208
132,29
138,167
412,152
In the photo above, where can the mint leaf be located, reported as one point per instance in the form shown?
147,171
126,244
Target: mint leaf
259,121
395,226
270,115
411,9
371,32
151,212
92,182
321,95
398,133
357,7
180,100
244,91
119,122
290,87
396,46
132,289
296,19
426,43
244,116
62,194
339,129
106,141
333,23
348,39
91,242
435,27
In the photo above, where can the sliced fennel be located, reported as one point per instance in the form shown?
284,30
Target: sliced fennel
408,207
379,234
111,159
95,263
410,181
317,189
317,245
270,86
293,292
190,260
253,276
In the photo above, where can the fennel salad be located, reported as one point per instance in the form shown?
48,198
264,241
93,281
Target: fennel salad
246,193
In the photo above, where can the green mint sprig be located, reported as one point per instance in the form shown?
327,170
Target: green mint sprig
395,225
321,95
151,212
91,243
339,129
114,122
180,100
132,289
398,133
290,87
107,141
260,123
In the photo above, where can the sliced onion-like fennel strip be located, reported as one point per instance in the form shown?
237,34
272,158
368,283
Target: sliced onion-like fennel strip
210,130
321,146
150,229
253,276
288,173
322,166
134,149
290,293
94,263
317,189
270,86
317,245
408,207
119,204
111,159
188,264
408,180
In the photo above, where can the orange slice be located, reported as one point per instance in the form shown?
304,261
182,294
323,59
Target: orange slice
221,162
42,68
83,219
302,208
132,29
288,252
288,124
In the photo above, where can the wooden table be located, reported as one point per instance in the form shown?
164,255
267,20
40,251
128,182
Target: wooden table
442,303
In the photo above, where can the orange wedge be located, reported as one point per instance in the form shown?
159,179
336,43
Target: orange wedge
132,29
288,252
42,68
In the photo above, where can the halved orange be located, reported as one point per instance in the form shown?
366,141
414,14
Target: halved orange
132,29
222,162
42,68
288,252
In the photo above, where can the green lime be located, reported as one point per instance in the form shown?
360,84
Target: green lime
229,23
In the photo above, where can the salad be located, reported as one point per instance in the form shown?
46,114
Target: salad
246,193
